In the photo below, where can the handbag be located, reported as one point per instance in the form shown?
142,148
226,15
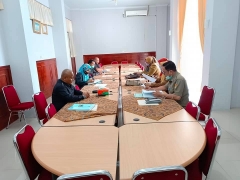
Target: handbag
132,76
132,82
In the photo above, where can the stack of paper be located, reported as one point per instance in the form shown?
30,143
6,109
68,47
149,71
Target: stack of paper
148,94
143,103
82,107
100,86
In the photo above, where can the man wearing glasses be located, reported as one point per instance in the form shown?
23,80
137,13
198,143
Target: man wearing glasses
176,87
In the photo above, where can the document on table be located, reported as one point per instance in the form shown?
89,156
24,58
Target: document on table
146,91
100,85
151,79
143,103
97,81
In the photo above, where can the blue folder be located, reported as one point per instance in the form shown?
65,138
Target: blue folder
81,107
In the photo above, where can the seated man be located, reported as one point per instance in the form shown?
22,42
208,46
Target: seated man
177,86
64,92
97,67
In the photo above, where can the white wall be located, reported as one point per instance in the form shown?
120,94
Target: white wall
67,12
105,31
173,45
60,38
3,51
219,50
236,73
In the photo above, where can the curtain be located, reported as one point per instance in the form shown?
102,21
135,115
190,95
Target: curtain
1,5
40,12
70,37
201,19
181,18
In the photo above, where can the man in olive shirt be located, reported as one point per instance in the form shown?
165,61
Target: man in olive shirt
176,87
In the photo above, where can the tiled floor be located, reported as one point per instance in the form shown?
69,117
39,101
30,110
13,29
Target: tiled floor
226,165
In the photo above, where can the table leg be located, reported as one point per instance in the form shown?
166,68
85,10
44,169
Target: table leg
54,177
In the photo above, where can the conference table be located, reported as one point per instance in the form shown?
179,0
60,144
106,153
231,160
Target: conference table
143,141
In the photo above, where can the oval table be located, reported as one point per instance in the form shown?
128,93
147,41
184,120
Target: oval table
159,144
64,150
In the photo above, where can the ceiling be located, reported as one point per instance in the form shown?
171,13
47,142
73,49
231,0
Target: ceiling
93,4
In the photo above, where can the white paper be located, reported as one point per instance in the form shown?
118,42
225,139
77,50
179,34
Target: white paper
106,70
143,103
97,80
100,85
95,108
145,91
151,79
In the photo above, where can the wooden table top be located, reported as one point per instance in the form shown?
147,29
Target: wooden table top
109,121
179,116
64,150
159,144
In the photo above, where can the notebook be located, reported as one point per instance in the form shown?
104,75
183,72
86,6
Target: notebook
81,107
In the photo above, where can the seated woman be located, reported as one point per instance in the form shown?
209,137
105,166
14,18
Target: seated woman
83,77
152,68
162,79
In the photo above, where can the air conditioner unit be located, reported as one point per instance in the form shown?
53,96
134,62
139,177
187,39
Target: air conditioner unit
136,13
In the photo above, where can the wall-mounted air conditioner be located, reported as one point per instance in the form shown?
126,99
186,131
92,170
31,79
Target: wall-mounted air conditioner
129,13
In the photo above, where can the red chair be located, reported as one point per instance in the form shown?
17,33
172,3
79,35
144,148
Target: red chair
100,64
114,62
205,103
14,104
168,173
22,141
206,159
40,103
92,175
77,88
193,110
50,111
142,67
124,62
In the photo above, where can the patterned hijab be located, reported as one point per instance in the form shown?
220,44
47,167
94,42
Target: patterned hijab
83,69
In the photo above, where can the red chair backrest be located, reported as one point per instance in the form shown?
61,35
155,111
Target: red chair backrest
175,174
24,142
192,109
206,100
91,175
97,177
40,104
77,88
51,110
11,96
100,64
114,62
207,155
124,62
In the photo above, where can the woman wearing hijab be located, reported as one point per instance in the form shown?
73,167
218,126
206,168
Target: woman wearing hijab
82,77
152,68
162,79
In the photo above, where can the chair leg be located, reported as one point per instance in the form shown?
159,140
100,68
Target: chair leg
23,115
20,118
9,119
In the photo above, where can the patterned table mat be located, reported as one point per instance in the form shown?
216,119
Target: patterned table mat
167,107
105,107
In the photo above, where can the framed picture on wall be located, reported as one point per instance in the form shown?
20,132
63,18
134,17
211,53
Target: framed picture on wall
36,25
44,29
